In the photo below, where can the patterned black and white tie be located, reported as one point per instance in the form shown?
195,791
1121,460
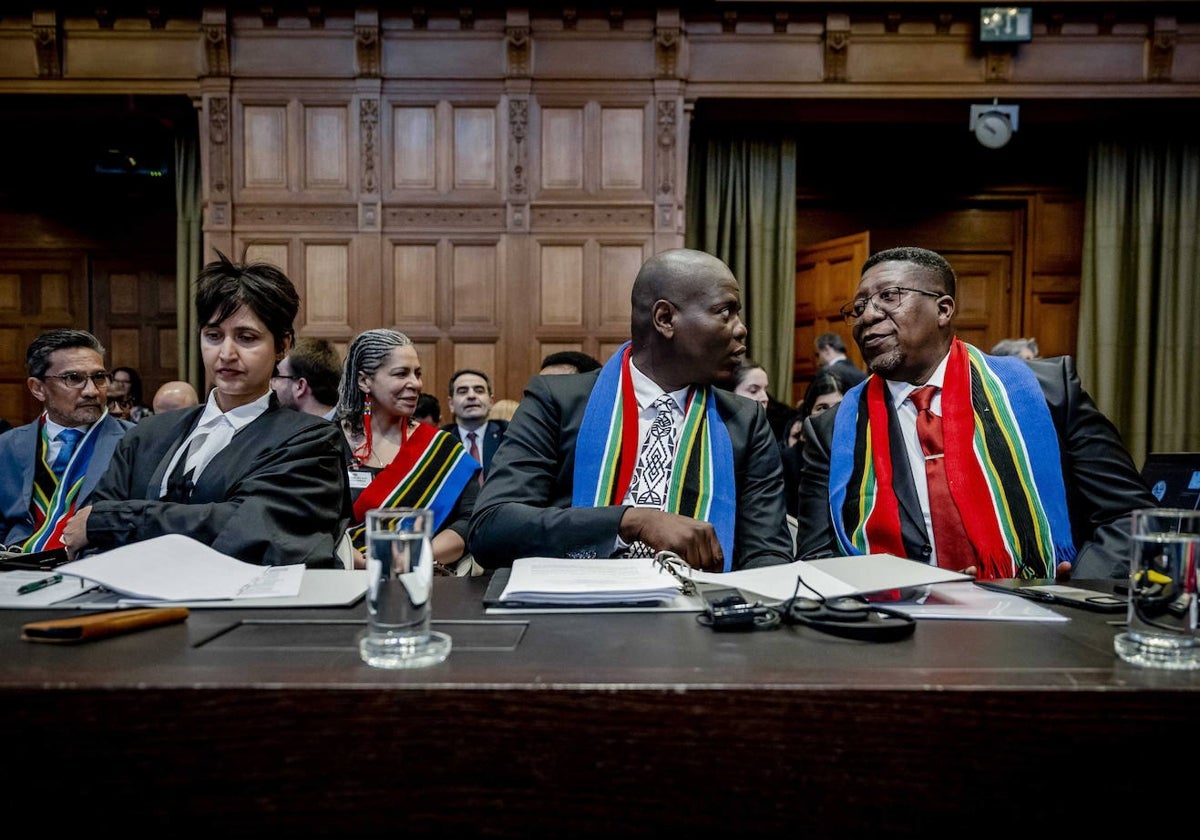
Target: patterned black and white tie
652,476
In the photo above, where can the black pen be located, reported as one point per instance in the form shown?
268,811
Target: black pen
34,586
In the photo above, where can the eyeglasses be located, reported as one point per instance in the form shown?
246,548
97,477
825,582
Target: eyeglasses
284,376
886,301
75,379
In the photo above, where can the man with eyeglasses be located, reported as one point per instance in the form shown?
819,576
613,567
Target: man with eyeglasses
49,467
992,465
307,378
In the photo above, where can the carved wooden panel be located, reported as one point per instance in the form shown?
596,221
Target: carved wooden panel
984,305
1054,319
414,148
326,148
622,147
414,284
826,277
124,348
264,146
1057,234
619,264
479,356
10,294
562,148
560,285
475,271
475,156
432,378
275,253
326,284
123,294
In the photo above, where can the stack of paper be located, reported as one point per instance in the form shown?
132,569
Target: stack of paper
560,581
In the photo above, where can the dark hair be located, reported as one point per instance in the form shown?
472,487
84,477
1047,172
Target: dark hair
223,287
918,256
37,357
135,384
317,362
824,383
365,354
582,362
465,371
831,339
428,406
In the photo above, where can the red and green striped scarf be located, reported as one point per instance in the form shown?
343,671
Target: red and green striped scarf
1002,464
53,500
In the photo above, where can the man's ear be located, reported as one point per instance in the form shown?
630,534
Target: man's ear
946,309
663,317
36,387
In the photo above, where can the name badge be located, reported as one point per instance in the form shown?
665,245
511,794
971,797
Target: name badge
359,478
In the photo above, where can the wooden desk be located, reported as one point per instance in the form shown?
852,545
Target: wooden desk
623,725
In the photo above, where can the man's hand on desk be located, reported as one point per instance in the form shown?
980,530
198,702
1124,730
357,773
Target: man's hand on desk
694,540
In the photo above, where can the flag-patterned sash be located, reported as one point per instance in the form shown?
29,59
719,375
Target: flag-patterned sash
1002,464
606,453
53,500
430,471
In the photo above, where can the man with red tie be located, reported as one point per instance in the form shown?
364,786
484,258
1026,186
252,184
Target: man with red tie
995,466
470,401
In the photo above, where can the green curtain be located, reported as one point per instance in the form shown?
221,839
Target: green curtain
741,207
1139,306
187,253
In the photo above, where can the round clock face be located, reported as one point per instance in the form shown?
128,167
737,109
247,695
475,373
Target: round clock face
993,130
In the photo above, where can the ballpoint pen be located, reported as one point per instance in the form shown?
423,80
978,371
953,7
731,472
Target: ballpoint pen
34,586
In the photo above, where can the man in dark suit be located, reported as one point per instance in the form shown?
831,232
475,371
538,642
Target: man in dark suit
470,401
831,350
577,474
1028,478
43,478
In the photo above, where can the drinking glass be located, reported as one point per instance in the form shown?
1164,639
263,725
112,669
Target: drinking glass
400,585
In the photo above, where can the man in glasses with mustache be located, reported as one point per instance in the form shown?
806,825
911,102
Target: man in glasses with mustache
49,467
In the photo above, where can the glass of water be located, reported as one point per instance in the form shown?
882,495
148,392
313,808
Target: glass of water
1163,629
399,590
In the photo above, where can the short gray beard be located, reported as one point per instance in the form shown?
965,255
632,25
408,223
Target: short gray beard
885,363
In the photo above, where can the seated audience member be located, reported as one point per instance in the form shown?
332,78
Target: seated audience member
1025,348
1030,479
568,481
307,378
396,460
240,473
50,467
470,405
831,350
174,394
503,410
823,393
429,410
568,361
125,395
751,382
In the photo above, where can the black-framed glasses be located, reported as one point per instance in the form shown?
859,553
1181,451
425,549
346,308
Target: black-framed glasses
75,379
284,376
886,301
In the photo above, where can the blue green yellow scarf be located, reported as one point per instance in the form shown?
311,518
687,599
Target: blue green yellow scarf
606,453
53,501
1002,464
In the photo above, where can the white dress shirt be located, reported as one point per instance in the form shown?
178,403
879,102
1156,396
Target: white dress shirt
217,428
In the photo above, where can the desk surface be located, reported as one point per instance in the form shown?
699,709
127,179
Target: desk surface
582,724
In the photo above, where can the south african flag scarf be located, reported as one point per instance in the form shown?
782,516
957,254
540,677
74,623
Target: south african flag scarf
701,484
1002,464
53,500
430,471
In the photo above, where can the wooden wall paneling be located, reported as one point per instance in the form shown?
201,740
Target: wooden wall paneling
434,376
477,356
619,265
411,296
623,149
826,278
263,146
476,146
562,149
984,305
560,286
1054,314
325,290
477,301
413,159
327,148
271,250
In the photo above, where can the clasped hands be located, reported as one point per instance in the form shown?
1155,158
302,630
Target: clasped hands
694,540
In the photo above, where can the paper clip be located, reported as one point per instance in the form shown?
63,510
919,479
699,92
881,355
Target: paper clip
672,563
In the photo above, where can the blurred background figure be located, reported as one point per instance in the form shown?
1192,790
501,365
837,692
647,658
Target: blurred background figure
831,350
568,361
429,410
1026,348
174,394
751,382
503,410
125,395
307,378
471,396
823,393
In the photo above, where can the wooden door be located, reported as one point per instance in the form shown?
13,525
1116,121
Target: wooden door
826,278
39,291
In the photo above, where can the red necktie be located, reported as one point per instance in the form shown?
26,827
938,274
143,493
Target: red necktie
473,451
954,548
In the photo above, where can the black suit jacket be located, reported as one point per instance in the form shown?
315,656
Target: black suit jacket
277,494
524,508
493,434
1103,485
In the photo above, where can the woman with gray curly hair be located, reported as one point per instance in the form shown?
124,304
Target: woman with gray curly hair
398,461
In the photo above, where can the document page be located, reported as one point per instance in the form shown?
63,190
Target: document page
41,589
562,580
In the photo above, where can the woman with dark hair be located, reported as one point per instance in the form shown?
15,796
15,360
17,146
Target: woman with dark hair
399,461
125,395
823,393
240,473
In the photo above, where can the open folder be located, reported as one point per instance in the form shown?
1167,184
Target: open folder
546,584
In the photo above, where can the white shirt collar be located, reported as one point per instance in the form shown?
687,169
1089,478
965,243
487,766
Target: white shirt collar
238,417
646,390
901,390
52,428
